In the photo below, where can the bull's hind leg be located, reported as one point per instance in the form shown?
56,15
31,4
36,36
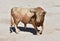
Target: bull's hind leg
16,21
24,25
12,25
17,30
12,21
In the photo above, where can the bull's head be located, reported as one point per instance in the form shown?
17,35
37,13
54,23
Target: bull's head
40,16
40,13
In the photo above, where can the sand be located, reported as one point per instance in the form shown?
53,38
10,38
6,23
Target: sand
51,24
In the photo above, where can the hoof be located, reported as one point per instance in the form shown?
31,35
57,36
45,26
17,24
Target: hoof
10,31
16,32
41,33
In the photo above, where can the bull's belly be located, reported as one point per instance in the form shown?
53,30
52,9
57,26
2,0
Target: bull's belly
25,19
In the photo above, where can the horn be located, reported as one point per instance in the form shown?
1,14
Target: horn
44,13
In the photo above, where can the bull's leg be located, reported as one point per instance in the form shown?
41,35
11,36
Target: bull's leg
25,25
17,30
41,29
16,25
12,24
35,27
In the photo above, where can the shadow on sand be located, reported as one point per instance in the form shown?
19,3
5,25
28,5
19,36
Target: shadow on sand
25,29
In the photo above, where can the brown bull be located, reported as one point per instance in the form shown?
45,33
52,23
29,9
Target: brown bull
34,16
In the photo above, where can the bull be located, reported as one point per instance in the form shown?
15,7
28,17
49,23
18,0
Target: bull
34,16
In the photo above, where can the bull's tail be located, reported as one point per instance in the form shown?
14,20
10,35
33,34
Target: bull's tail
12,19
11,11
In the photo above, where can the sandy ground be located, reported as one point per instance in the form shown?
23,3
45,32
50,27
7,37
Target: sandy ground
51,23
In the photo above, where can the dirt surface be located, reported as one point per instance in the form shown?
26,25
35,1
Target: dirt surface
51,23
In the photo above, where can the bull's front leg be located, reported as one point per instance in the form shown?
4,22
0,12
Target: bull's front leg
35,27
41,29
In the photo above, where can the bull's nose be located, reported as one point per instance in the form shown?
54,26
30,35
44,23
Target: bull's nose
38,25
